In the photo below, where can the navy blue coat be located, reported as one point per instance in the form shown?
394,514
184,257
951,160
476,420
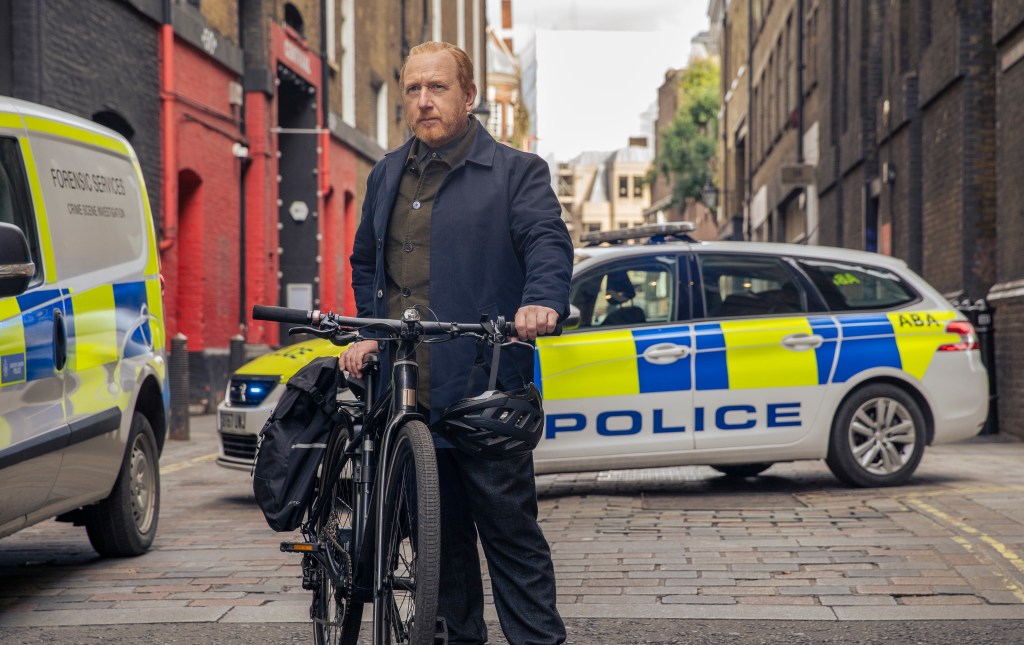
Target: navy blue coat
497,242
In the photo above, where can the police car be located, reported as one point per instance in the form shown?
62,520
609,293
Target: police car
83,387
252,393
738,355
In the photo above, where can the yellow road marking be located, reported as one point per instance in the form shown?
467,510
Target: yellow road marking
1005,552
182,465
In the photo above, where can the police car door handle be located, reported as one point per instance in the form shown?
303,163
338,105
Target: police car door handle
800,342
665,353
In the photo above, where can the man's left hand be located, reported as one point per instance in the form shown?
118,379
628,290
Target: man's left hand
535,320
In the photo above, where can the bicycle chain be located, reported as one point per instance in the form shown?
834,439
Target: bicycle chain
345,567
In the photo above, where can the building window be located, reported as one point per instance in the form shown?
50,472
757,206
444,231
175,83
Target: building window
591,228
293,18
926,23
435,20
379,115
494,119
332,54
566,187
510,118
623,186
638,186
348,62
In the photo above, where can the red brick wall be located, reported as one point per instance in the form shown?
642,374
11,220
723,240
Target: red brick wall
202,267
261,215
338,229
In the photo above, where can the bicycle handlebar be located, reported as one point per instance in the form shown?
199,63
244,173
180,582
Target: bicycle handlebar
429,328
283,314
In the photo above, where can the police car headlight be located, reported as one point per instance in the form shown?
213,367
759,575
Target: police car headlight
250,390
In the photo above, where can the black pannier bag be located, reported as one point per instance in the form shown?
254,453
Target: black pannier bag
293,440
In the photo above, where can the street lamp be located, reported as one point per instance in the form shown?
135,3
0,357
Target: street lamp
709,195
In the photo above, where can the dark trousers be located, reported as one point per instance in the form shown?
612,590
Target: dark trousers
498,500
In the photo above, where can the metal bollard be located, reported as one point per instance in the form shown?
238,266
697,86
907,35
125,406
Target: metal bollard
177,368
236,354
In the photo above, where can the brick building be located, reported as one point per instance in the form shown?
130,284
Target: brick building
256,124
662,207
1007,294
887,140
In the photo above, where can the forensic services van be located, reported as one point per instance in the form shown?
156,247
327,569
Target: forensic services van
83,374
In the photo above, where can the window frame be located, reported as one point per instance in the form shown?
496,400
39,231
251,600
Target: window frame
814,303
678,297
907,285
22,202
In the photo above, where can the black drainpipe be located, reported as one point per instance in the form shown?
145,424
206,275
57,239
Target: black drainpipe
243,315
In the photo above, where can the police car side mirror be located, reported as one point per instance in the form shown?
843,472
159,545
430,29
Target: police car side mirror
572,321
16,266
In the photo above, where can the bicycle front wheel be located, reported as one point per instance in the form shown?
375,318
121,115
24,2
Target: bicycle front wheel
410,550
335,615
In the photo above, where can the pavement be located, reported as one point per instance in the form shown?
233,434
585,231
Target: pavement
673,543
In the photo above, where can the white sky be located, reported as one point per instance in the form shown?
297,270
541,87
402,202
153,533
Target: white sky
593,85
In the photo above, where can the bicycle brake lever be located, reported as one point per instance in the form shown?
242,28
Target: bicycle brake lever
343,339
305,330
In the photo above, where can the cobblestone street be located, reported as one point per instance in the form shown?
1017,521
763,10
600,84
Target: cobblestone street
793,544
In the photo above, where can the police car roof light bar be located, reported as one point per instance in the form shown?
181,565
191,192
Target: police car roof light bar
657,233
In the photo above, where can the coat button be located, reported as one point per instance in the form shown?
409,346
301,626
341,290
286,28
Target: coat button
406,291
416,205
380,293
408,247
378,242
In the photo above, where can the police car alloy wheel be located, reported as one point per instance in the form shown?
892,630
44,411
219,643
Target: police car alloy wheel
878,437
124,524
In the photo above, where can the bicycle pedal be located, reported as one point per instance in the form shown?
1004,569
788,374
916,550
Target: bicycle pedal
300,547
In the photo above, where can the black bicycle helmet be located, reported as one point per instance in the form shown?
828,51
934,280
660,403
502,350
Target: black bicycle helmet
495,425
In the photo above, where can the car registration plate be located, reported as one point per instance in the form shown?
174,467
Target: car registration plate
231,421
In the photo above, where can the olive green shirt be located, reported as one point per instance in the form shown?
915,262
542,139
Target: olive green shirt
407,244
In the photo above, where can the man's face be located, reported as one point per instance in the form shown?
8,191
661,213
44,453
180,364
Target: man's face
435,104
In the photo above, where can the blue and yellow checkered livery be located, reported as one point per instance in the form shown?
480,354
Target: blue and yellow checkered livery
739,354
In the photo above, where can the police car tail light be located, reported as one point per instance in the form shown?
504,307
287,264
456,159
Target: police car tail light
968,339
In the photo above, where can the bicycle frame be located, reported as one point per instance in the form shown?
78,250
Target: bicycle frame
370,448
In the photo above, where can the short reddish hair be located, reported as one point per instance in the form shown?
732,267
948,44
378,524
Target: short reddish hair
463,64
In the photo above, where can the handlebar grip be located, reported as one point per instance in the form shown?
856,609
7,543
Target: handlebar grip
511,330
282,314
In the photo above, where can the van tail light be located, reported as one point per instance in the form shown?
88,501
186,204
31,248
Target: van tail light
968,339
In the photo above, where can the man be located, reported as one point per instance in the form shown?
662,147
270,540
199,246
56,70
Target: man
456,222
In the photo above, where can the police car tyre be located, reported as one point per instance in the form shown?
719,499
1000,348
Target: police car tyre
411,549
124,524
742,470
878,437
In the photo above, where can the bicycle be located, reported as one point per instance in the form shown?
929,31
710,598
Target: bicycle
379,472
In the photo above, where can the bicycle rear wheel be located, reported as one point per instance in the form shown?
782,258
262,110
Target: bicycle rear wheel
336,617
410,552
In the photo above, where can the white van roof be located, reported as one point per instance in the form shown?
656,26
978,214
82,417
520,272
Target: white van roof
25,108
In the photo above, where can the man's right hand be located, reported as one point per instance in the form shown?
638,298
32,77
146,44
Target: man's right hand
352,358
